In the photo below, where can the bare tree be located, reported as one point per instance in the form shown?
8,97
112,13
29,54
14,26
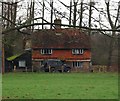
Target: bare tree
9,12
113,25
9,15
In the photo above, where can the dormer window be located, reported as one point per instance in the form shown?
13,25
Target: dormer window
77,51
46,51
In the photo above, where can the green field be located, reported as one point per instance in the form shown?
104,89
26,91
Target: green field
60,86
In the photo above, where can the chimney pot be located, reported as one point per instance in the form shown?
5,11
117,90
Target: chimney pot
57,21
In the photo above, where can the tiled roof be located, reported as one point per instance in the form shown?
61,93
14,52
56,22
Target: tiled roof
60,38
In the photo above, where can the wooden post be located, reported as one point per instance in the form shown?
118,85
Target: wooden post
3,59
14,68
62,69
76,68
26,68
32,68
49,68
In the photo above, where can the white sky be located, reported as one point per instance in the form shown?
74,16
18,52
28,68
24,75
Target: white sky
99,4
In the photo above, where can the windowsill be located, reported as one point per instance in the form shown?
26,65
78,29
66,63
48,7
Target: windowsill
77,54
46,54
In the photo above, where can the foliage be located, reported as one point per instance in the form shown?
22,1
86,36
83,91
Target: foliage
13,43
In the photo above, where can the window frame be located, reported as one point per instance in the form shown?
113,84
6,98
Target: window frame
22,63
46,51
77,64
77,51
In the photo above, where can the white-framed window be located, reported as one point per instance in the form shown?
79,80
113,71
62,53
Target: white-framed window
22,63
78,64
46,51
77,51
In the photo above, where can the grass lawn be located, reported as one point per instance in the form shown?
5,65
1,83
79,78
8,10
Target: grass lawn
60,86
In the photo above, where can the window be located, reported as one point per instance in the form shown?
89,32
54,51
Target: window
77,51
40,63
77,64
22,64
46,51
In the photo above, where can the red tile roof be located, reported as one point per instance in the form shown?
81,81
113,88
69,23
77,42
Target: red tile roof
60,38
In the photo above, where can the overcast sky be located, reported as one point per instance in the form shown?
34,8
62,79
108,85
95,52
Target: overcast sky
22,12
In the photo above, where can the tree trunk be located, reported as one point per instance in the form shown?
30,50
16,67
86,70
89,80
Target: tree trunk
43,15
111,45
113,34
14,13
8,15
90,13
81,13
33,5
51,3
74,14
119,53
70,12
110,54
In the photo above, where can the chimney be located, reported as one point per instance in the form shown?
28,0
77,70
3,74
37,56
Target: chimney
57,21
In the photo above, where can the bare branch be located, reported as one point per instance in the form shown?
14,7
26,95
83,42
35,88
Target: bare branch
117,15
25,26
108,13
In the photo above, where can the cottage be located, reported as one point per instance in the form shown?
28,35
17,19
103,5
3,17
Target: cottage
69,45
